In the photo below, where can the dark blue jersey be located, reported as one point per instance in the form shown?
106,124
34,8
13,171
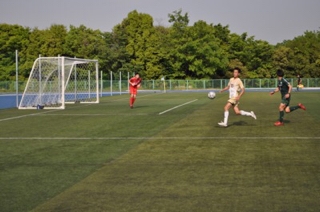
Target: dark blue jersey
283,86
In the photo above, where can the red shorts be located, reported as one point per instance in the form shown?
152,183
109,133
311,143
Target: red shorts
133,90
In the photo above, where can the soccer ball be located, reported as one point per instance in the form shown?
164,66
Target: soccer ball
211,95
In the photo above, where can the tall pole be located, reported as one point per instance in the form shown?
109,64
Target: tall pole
89,77
128,81
111,82
101,84
120,83
17,87
75,82
62,82
40,81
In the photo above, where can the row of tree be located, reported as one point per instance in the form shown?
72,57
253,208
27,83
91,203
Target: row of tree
180,51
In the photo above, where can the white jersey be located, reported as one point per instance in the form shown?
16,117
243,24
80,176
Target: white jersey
235,86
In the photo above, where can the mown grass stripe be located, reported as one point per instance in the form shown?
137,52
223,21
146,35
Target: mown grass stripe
157,138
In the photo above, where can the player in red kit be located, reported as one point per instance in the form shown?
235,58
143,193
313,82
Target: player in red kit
135,83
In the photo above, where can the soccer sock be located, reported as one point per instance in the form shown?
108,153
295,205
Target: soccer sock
226,116
294,108
131,101
244,113
281,116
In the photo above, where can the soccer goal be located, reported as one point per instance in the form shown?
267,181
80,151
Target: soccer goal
56,81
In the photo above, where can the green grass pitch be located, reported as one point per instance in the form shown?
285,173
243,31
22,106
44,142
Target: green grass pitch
166,154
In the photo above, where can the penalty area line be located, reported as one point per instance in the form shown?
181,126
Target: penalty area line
177,106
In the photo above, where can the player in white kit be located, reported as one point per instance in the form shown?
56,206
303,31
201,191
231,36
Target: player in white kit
236,90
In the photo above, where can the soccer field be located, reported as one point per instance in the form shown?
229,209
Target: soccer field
166,154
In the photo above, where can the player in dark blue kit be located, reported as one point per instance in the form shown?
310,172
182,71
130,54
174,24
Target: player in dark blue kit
285,89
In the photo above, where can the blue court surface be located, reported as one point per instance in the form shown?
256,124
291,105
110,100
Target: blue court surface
10,100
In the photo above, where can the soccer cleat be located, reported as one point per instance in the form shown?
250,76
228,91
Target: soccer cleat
253,115
131,106
222,124
302,106
278,123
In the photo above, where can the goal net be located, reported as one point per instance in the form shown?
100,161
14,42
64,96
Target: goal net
56,81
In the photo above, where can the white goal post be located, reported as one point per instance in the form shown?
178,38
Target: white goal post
56,81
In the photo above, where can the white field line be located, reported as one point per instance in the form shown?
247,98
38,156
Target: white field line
40,113
27,115
50,111
177,106
159,138
98,114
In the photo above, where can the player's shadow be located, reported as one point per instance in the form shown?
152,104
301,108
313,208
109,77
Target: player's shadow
139,106
240,123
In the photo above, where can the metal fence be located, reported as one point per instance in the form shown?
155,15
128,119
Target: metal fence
177,85
172,85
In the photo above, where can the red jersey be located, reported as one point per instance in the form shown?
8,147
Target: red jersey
135,81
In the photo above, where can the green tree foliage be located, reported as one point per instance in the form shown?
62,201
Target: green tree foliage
281,59
12,38
203,53
304,56
253,56
194,50
53,40
142,44
116,57
47,43
259,54
83,42
178,51
178,39
163,50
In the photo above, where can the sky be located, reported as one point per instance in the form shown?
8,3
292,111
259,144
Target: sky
270,20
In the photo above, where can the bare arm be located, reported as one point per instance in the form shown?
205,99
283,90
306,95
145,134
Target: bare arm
241,93
275,90
224,89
